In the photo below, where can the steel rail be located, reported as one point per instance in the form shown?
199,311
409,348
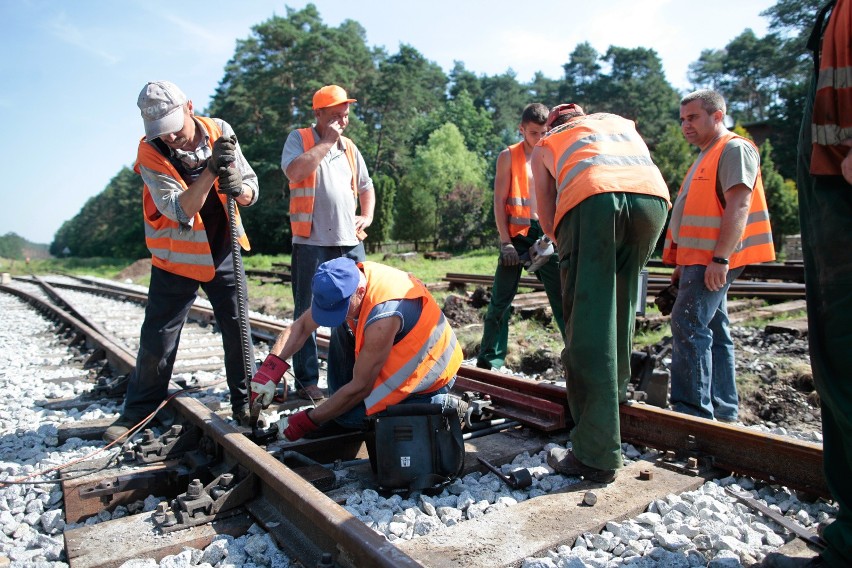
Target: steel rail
306,521
775,459
767,290
119,358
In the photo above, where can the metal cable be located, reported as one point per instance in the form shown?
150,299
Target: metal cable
242,300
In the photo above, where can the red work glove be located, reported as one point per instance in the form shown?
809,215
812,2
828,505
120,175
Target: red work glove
298,425
266,379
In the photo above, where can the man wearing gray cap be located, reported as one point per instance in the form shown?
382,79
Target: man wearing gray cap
328,179
189,166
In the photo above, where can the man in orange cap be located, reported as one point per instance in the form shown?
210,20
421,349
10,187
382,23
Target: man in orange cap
328,180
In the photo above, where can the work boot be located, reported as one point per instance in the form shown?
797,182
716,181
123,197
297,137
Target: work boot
452,401
311,392
117,429
777,560
565,462
241,416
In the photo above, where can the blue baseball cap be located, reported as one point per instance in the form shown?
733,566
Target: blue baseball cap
333,285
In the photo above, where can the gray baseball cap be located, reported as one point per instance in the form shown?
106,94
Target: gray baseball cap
161,103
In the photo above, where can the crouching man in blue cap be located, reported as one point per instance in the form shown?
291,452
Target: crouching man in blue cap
395,345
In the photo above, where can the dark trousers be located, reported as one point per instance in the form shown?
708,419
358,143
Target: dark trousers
341,364
495,329
303,266
604,243
170,297
825,211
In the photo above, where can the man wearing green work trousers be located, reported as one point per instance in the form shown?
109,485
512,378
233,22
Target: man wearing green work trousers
825,211
604,202
516,216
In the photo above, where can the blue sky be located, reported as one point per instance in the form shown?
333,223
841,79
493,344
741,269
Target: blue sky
71,70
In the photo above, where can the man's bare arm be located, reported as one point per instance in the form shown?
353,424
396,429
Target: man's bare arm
734,219
378,342
545,188
502,183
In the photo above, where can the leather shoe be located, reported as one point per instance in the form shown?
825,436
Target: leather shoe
565,462
310,392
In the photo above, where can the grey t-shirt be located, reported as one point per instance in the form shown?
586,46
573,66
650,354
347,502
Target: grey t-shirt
333,222
739,164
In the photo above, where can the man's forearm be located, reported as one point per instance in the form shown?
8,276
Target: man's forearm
734,220
192,200
307,163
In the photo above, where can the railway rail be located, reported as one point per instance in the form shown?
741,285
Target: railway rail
739,288
224,478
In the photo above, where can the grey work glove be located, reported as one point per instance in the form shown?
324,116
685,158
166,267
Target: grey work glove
508,255
231,181
224,153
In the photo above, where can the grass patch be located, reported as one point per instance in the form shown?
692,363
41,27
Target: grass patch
100,267
643,339
763,321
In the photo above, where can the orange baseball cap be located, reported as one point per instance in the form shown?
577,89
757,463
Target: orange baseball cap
330,95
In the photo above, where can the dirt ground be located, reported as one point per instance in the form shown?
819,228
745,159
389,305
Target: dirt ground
138,269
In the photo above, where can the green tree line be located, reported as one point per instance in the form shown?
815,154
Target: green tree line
431,139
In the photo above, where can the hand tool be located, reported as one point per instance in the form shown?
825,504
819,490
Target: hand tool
518,479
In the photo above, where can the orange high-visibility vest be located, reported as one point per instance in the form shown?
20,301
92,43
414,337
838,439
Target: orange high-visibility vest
702,219
600,153
518,210
302,193
426,359
832,115
180,250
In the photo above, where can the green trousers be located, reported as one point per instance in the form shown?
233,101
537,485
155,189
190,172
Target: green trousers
495,333
604,243
825,211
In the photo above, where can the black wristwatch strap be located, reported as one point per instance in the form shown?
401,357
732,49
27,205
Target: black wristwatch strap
720,260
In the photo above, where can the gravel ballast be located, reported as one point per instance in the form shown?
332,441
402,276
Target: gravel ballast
701,528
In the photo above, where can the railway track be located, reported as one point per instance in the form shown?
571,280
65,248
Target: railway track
739,288
294,493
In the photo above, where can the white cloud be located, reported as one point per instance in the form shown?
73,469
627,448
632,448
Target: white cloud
65,31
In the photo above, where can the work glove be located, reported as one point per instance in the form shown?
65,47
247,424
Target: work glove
665,300
231,181
265,381
508,255
539,253
224,153
298,425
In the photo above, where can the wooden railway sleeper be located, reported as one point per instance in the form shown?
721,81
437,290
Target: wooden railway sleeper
203,504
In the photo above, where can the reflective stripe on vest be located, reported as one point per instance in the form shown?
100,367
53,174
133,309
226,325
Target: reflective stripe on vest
426,359
702,219
831,123
174,248
600,153
303,193
518,210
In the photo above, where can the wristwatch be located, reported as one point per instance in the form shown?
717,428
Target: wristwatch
720,260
